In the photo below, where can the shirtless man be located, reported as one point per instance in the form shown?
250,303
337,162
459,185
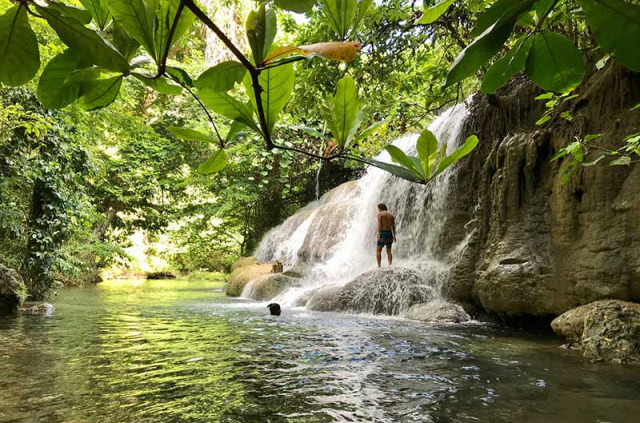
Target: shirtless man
386,232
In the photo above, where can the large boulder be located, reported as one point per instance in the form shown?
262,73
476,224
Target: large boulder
243,262
44,309
389,290
438,311
243,275
607,330
12,290
264,289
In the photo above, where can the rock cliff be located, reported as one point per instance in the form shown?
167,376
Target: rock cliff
537,246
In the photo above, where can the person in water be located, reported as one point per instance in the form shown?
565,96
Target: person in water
386,233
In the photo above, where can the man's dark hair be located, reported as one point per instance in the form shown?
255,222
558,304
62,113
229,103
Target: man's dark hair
382,207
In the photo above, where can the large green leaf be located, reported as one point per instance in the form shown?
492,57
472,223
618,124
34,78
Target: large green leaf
434,12
126,45
405,161
261,30
364,7
85,41
180,75
138,18
221,77
19,54
346,107
508,66
466,148
99,93
395,170
616,25
165,15
54,92
340,14
493,13
235,132
216,163
277,86
554,63
367,132
161,84
227,106
298,6
99,10
427,147
485,46
81,15
191,134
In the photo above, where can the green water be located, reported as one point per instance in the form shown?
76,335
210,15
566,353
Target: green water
174,351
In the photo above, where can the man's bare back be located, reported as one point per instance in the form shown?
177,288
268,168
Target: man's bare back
386,233
386,221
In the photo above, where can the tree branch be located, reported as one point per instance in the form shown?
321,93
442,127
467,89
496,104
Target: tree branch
163,62
253,71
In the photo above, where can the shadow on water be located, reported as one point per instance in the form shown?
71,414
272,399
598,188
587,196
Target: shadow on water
175,351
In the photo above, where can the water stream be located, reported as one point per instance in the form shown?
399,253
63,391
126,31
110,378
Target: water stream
176,351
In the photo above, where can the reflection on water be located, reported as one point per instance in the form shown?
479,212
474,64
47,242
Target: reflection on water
172,351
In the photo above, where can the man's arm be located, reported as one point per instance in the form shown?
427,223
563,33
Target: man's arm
393,227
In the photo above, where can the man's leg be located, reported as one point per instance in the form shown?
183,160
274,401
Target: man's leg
379,255
389,255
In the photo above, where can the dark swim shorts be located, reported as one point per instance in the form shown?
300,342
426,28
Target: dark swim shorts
385,239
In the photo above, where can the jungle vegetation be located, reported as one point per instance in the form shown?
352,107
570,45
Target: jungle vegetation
116,117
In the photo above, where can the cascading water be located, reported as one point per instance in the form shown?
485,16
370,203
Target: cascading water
337,233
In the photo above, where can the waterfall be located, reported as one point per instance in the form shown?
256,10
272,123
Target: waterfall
337,233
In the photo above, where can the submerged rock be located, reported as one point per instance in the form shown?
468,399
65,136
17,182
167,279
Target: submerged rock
389,290
160,275
243,275
438,311
607,330
243,262
12,290
44,309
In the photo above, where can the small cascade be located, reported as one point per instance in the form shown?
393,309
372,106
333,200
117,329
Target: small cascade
337,233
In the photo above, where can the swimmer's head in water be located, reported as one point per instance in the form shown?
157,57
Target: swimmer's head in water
274,309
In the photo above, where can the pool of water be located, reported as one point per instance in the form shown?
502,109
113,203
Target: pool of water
178,351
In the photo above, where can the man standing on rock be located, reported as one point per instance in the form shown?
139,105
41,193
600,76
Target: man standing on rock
386,232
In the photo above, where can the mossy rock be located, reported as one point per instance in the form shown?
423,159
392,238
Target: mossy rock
13,291
244,262
266,289
242,275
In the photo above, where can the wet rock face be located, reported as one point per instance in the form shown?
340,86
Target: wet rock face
243,275
44,309
607,330
538,246
390,291
12,290
438,311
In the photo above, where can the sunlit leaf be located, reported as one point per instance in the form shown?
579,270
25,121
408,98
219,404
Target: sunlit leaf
53,90
345,51
216,163
507,67
221,77
261,30
19,54
434,12
340,14
99,10
225,105
161,84
346,107
469,145
395,170
191,134
137,17
405,161
99,93
621,161
277,86
298,6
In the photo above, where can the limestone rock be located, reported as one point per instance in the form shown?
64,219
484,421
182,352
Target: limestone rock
12,290
242,275
438,311
607,330
612,333
44,309
389,290
267,288
244,261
